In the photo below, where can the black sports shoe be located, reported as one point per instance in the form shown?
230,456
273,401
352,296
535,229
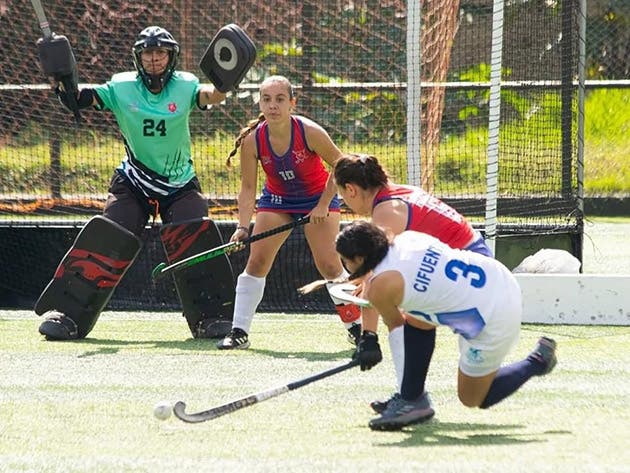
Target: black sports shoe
237,338
545,353
400,413
379,406
58,326
354,333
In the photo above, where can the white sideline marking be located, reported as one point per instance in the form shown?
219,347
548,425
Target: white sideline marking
575,299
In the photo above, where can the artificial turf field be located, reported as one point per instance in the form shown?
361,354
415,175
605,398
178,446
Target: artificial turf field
87,406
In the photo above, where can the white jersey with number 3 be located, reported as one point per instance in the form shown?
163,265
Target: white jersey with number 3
476,296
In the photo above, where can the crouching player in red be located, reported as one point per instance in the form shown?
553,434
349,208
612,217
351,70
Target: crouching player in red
416,280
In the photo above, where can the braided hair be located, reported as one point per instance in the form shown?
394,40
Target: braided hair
251,126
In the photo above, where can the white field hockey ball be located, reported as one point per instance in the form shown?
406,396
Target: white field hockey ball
163,410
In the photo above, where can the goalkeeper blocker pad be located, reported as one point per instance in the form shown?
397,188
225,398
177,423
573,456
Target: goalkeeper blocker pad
206,290
57,61
56,57
228,58
89,272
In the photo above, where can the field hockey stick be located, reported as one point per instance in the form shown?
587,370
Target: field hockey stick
57,59
41,18
163,269
179,409
344,292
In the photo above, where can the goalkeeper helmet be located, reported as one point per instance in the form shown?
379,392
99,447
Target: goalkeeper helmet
155,37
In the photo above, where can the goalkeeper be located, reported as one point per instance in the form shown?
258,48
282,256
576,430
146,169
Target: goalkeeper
152,106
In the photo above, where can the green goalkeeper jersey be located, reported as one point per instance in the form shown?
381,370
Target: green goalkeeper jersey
155,128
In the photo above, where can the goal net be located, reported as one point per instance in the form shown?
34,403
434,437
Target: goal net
349,63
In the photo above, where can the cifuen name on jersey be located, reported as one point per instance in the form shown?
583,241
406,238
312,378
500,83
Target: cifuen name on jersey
427,266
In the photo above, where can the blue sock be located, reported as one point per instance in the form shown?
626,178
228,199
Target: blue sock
510,378
419,346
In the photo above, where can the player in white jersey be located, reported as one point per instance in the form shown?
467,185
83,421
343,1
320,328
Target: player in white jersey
366,188
416,279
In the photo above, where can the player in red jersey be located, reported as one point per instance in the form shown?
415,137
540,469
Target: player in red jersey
365,187
291,149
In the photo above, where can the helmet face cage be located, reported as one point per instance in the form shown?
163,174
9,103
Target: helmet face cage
155,37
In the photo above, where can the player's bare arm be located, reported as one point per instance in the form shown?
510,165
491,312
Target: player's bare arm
247,194
320,142
392,214
208,95
385,293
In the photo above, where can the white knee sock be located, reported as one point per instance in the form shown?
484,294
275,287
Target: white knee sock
249,293
350,314
397,348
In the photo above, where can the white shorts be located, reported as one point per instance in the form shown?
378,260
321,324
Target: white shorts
485,353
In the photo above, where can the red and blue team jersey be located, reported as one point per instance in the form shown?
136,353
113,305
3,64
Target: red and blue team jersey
428,214
295,181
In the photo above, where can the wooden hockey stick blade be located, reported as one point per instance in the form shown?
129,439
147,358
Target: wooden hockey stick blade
163,269
179,409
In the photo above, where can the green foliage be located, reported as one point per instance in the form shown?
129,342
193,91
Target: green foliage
88,158
469,108
377,116
600,106
28,179
460,162
607,142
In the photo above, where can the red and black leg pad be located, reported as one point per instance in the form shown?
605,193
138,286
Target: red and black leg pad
206,290
89,272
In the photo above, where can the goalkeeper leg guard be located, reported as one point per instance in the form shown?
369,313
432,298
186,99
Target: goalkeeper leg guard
86,278
205,290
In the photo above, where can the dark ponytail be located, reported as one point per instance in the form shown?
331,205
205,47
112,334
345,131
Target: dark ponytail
363,170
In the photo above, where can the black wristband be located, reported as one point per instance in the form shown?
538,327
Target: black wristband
86,98
241,227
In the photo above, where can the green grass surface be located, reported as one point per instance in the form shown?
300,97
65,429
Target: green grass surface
87,406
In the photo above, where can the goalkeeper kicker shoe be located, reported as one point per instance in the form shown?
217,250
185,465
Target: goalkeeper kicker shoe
545,353
236,339
58,326
401,413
